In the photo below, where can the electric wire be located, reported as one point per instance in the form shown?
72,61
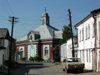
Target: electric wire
4,11
9,6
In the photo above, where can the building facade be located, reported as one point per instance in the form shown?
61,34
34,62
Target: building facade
88,34
96,16
5,46
66,49
38,42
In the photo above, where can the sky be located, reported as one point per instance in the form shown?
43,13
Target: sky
29,13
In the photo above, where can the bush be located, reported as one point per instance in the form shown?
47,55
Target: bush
31,58
23,59
37,58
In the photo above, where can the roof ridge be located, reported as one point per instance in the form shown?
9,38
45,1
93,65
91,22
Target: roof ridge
48,30
52,27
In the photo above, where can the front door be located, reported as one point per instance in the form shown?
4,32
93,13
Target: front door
46,52
31,51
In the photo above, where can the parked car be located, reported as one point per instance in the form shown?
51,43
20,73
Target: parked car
72,64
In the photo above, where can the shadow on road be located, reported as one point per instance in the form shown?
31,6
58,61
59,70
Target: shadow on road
26,67
78,72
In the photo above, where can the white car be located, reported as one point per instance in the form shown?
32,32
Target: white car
71,64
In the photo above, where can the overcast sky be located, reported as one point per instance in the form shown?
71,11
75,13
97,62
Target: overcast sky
29,13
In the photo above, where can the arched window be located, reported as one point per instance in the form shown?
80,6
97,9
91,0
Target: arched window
31,37
45,51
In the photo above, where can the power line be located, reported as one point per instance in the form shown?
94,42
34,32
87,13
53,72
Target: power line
4,8
10,7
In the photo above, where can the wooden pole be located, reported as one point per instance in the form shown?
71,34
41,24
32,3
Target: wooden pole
70,23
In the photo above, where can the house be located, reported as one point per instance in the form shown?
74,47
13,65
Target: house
88,31
5,46
66,49
96,52
38,42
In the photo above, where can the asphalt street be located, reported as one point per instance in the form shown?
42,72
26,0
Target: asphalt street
47,69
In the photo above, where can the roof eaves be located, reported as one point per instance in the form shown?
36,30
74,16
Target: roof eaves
87,17
96,12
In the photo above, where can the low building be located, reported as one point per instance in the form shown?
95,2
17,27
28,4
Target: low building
38,42
5,46
66,49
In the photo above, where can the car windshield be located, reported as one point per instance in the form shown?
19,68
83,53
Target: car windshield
73,60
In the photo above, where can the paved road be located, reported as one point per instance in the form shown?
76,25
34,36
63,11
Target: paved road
47,69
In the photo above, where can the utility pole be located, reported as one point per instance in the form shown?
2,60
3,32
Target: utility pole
70,23
12,20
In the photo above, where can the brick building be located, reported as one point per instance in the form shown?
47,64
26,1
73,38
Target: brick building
38,41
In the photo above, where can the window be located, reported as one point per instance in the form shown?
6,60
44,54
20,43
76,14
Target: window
87,55
82,55
75,53
21,50
82,34
93,30
79,36
1,42
73,60
88,31
46,51
43,22
31,37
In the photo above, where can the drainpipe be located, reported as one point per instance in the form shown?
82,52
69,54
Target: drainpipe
95,31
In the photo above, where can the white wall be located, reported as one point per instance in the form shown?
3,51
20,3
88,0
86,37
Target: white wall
66,49
69,50
86,45
98,42
63,51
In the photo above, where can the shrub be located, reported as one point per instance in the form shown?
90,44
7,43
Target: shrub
31,58
38,58
23,59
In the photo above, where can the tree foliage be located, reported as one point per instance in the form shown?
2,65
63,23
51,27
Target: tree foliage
65,36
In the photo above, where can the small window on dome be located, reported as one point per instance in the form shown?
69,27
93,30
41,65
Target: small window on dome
31,37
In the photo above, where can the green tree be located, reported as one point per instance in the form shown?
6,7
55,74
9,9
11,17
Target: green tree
65,36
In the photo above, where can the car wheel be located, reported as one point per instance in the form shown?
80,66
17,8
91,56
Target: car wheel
63,69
